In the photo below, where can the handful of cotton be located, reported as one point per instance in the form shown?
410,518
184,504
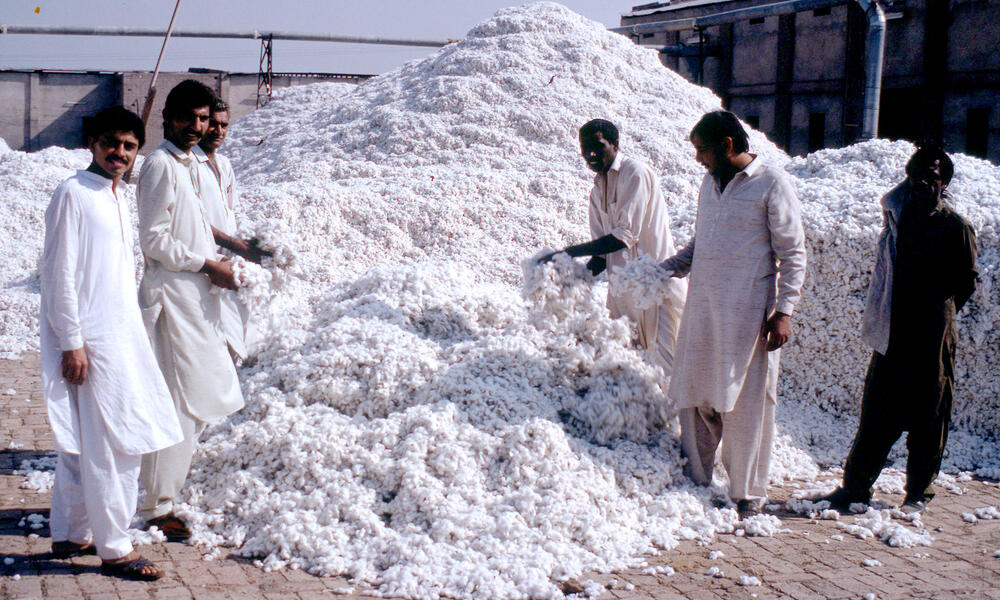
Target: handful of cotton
274,238
643,280
254,283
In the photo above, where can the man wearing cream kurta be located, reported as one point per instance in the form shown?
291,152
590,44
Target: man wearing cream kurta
107,401
747,263
629,218
182,314
218,194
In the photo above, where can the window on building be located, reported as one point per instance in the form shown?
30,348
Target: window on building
646,36
821,12
757,20
753,121
977,132
817,131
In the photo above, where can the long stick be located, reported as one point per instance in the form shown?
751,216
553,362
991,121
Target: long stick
151,94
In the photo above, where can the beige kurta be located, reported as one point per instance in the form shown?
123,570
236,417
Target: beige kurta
218,194
630,206
182,314
747,260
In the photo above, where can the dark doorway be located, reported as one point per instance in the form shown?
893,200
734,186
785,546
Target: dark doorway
817,131
899,115
977,132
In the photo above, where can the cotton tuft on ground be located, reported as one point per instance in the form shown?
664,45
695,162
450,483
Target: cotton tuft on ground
425,415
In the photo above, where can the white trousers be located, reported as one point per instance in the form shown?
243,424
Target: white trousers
95,492
746,434
164,472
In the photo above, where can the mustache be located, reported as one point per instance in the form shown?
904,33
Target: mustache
117,157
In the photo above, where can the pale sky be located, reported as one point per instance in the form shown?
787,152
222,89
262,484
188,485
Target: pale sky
430,19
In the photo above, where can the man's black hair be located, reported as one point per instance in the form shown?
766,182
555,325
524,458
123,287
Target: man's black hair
719,124
113,119
605,128
219,106
187,95
928,154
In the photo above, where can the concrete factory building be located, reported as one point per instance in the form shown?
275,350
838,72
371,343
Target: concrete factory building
45,108
800,76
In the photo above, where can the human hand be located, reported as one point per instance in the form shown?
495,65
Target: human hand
778,329
74,366
254,253
546,258
597,264
220,273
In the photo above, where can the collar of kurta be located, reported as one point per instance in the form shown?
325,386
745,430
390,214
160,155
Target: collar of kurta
182,156
616,165
200,154
753,167
95,179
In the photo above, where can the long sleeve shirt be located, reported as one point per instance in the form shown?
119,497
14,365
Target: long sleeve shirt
182,314
89,301
627,203
217,188
746,261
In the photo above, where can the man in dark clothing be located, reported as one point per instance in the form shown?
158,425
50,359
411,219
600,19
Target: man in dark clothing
925,273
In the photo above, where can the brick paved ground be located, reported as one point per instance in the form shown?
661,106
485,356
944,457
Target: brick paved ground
805,564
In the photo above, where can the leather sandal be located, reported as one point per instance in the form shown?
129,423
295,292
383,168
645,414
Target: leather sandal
173,527
132,569
68,549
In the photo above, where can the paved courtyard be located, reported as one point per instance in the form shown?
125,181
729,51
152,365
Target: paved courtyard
814,561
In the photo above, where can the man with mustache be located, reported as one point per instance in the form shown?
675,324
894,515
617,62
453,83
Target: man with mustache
218,193
183,315
108,403
924,273
747,263
629,218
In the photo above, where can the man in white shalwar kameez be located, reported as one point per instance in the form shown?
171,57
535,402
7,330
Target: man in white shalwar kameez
107,401
182,314
747,263
218,193
629,218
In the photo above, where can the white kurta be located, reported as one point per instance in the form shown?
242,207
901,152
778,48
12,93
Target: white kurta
177,299
747,260
88,300
218,193
631,207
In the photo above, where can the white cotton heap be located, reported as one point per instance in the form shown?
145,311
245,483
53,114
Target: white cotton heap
421,432
643,280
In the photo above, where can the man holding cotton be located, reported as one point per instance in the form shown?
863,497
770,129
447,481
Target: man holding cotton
747,264
182,314
629,218
218,193
107,401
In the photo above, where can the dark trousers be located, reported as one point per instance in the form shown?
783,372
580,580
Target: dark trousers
887,410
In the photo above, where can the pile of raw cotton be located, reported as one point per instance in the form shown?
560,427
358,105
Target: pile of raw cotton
432,436
26,185
839,190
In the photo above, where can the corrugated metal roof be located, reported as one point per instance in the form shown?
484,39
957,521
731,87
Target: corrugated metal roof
671,6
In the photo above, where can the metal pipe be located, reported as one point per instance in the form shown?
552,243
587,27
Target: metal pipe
250,34
874,55
874,42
